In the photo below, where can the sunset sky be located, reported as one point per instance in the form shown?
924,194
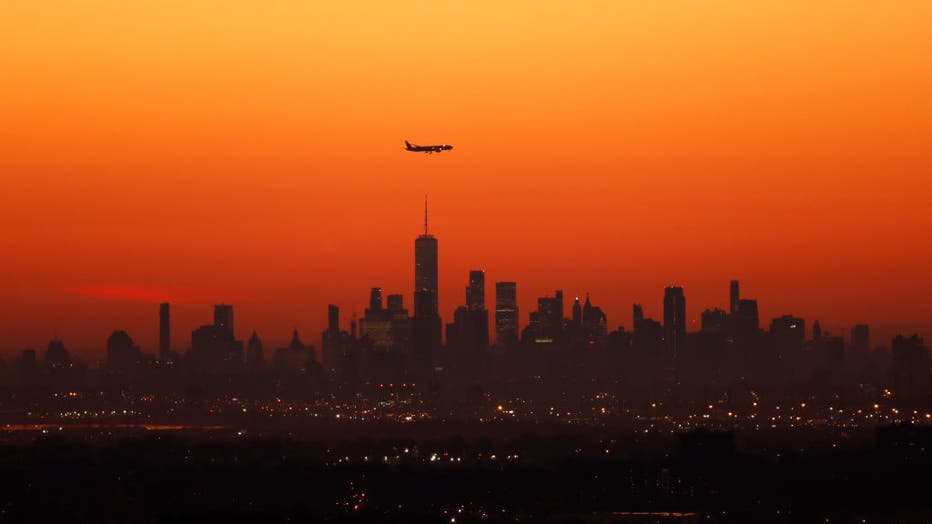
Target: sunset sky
251,152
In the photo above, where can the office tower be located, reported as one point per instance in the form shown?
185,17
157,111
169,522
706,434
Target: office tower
816,330
593,321
550,316
223,319
713,320
56,356
255,352
860,339
213,346
674,320
506,314
122,353
577,312
788,330
910,369
331,340
735,296
468,334
296,358
475,291
375,299
333,317
27,362
164,331
425,269
747,321
638,316
375,326
396,305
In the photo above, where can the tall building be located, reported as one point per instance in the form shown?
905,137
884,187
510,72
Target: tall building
734,296
396,304
255,352
713,320
375,299
788,330
164,331
425,269
475,291
468,334
747,319
550,316
376,324
594,322
426,327
56,356
223,319
213,346
506,314
638,312
674,320
330,344
860,339
122,353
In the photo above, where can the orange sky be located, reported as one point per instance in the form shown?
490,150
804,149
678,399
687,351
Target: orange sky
251,152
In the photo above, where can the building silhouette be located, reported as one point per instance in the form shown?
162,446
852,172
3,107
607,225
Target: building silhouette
255,353
223,319
468,334
164,331
213,346
475,291
56,356
549,319
860,339
506,314
734,296
425,270
122,354
674,321
427,326
594,323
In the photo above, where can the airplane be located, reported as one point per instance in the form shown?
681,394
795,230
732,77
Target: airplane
427,149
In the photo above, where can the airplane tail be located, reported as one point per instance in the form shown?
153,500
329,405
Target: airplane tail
407,144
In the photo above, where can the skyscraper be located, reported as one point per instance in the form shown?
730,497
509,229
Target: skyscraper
747,320
674,320
330,344
550,316
860,339
506,314
475,291
375,299
427,327
333,317
255,352
425,269
735,296
223,319
164,331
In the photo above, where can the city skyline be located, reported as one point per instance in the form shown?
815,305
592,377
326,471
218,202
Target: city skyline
669,312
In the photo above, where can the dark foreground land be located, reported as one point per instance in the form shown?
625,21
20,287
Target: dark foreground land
880,476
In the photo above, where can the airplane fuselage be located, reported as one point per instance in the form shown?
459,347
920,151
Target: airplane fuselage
414,148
